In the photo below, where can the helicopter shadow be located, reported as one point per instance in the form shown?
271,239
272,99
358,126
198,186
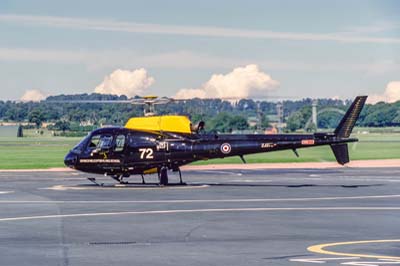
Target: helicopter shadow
288,185
205,184
137,185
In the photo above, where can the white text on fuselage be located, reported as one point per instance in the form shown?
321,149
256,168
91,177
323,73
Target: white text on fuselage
268,145
162,146
99,161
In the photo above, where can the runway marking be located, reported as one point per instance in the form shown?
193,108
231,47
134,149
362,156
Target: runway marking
372,263
322,260
6,192
198,200
319,209
321,249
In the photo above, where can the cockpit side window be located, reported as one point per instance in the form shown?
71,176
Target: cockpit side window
94,142
100,142
119,143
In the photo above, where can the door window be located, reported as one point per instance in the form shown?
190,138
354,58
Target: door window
120,143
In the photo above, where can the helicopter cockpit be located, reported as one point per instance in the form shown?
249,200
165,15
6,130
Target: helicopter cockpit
104,140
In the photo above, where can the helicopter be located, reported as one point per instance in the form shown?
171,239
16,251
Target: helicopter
159,144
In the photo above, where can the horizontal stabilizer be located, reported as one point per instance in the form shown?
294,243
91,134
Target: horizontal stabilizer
341,153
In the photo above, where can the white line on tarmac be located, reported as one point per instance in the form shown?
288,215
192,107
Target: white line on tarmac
196,200
6,192
319,209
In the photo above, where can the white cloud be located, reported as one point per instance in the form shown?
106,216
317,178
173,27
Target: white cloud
242,82
391,94
33,95
125,82
215,32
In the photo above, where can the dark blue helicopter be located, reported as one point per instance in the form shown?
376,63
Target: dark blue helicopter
156,144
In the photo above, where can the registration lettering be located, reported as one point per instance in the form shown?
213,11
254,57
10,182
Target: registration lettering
268,145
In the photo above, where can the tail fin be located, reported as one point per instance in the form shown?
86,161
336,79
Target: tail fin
349,119
341,153
344,129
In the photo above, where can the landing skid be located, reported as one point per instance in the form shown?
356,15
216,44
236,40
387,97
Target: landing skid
163,179
134,184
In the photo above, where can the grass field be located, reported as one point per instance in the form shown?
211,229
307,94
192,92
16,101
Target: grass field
34,153
45,152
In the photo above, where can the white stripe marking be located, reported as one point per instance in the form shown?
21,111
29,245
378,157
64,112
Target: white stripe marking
6,192
198,200
199,211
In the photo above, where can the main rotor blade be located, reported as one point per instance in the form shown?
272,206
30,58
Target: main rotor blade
251,97
166,100
88,101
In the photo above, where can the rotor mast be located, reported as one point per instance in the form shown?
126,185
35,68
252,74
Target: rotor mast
149,102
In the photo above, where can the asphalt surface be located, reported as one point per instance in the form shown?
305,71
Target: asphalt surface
260,217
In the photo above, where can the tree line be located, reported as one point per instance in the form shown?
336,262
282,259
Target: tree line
223,116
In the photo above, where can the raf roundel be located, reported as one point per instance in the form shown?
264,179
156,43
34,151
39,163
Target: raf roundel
226,148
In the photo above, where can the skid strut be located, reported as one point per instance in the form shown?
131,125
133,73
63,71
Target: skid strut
163,176
180,177
119,179
93,180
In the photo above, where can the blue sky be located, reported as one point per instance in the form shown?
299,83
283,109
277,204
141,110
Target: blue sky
311,48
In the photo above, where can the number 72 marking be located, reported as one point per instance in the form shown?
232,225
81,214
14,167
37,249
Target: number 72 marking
146,153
